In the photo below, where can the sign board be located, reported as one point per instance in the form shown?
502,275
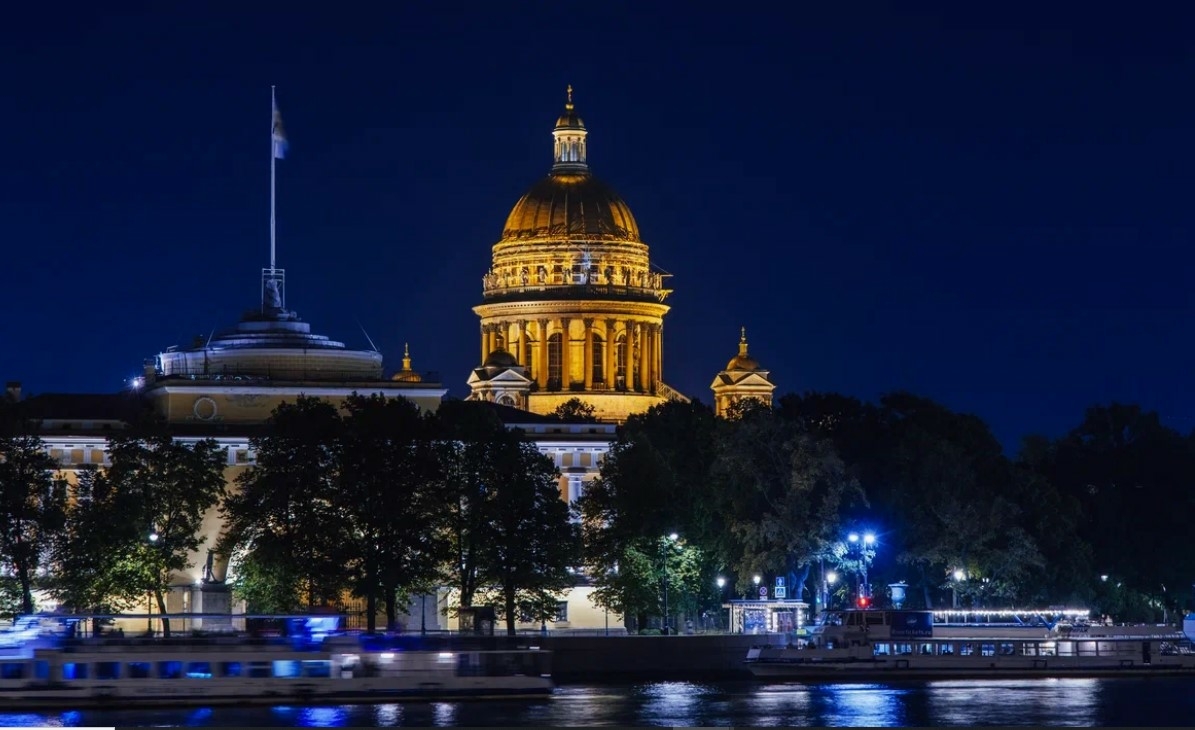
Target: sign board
779,582
911,624
763,591
780,592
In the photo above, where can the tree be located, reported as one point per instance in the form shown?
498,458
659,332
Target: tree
32,502
283,529
575,410
166,487
95,558
468,433
654,482
531,544
784,495
389,489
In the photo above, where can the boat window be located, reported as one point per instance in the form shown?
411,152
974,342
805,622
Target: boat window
230,669
987,650
903,649
946,649
107,670
1006,649
138,670
41,669
74,670
199,670
883,649
12,670
1029,649
318,668
966,649
170,670
259,670
286,668
854,619
874,619
926,649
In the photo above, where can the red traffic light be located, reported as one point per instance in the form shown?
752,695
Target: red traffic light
863,602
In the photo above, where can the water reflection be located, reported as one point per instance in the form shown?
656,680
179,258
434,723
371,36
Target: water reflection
387,715
1027,702
1077,702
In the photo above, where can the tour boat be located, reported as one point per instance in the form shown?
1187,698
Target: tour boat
865,645
224,670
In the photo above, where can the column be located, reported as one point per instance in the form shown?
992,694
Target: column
541,372
644,358
484,352
566,378
611,344
630,359
587,365
659,355
524,353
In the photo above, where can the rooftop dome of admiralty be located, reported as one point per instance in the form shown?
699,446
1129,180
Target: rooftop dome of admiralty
271,343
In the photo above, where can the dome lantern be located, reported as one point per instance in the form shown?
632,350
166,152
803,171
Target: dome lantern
569,135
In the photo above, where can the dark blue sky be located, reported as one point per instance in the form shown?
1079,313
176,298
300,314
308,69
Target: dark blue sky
990,210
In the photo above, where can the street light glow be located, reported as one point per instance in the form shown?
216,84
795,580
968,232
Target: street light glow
869,539
757,579
831,577
959,575
673,536
721,582
853,537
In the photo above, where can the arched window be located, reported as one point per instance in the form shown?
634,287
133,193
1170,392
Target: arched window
599,359
506,400
554,362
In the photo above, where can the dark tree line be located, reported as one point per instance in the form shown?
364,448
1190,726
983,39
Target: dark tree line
1094,518
372,499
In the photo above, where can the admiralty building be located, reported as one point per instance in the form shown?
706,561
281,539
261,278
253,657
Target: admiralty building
570,307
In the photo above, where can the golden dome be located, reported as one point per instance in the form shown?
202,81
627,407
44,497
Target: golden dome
500,358
571,204
406,375
742,361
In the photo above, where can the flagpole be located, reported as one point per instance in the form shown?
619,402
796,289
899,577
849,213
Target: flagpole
273,162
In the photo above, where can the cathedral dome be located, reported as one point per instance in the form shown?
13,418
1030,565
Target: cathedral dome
500,359
742,362
571,204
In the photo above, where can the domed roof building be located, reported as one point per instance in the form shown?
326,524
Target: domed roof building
571,296
743,379
241,374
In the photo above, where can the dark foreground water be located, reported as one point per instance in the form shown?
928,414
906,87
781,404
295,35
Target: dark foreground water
1073,702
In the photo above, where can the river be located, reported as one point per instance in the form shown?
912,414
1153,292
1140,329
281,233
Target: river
1070,702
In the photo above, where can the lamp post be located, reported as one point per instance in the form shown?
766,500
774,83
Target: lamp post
831,579
721,583
667,546
149,600
959,576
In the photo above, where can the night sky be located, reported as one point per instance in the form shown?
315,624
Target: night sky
990,210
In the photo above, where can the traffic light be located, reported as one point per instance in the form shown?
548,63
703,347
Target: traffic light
863,602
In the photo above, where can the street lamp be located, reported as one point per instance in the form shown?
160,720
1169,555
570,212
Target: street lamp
721,583
666,547
831,579
959,576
